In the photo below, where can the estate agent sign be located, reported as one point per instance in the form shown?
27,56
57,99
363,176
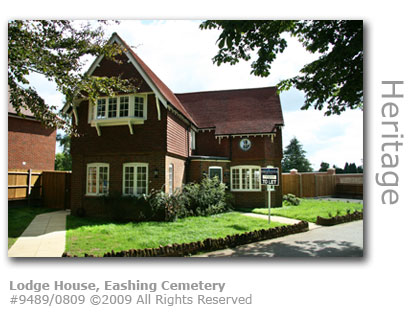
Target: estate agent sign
269,176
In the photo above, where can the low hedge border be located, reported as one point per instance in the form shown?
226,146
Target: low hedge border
209,244
357,215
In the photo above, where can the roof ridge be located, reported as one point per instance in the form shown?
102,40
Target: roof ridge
225,90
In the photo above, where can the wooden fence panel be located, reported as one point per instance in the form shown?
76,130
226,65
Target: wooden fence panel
325,185
311,184
291,184
24,184
308,185
56,189
52,187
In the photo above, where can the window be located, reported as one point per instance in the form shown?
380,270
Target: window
130,106
135,179
123,106
192,140
245,178
97,179
171,175
112,107
245,144
101,106
216,172
138,107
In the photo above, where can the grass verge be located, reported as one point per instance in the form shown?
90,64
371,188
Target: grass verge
19,219
309,209
98,237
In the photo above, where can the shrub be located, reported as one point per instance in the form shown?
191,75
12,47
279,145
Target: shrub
195,199
168,206
207,198
291,200
125,208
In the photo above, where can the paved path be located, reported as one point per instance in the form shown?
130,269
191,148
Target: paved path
44,237
343,240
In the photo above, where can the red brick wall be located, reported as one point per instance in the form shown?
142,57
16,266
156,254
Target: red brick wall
156,161
29,141
179,173
108,68
197,167
208,145
146,137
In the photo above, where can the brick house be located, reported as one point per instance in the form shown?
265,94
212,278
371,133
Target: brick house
152,139
30,144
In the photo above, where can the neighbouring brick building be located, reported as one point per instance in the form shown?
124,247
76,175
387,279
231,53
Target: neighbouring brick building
153,139
30,144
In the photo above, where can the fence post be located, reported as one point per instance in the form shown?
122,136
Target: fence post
29,187
316,185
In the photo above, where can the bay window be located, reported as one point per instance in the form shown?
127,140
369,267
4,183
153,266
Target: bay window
245,178
127,106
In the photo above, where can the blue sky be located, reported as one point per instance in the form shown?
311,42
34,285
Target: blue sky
180,54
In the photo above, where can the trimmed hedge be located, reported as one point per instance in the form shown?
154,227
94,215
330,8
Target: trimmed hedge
357,215
209,244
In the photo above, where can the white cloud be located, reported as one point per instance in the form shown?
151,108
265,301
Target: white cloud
334,139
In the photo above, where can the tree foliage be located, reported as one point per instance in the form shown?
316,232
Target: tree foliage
294,158
63,160
333,81
349,168
56,49
324,167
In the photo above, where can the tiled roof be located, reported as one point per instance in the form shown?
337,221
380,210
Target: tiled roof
235,111
24,111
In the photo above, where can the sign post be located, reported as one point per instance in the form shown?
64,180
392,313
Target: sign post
269,177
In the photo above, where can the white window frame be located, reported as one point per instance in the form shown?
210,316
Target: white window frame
250,189
192,139
131,107
97,165
171,178
221,171
135,165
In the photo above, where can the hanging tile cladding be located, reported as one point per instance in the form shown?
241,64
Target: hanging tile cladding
177,136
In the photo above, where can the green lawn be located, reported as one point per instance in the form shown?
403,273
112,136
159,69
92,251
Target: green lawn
19,219
309,209
98,237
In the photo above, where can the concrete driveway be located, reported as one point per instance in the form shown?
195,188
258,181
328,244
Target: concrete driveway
343,240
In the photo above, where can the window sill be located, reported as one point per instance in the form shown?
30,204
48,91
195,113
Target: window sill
258,190
117,121
92,195
125,121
